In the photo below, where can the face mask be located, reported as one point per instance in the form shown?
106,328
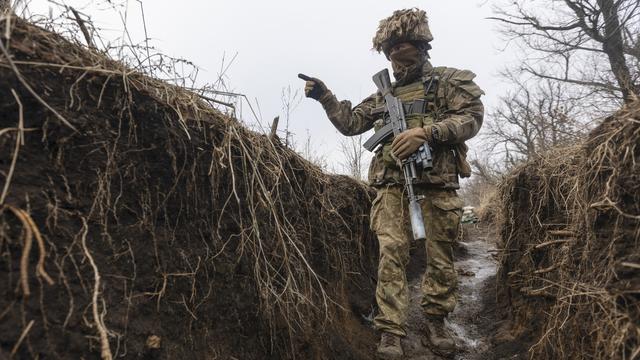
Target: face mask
405,57
407,64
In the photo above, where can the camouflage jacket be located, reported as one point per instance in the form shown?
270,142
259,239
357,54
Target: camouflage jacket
451,103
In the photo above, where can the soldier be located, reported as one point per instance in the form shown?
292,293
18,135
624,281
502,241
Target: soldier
442,106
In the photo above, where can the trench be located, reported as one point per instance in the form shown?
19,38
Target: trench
476,269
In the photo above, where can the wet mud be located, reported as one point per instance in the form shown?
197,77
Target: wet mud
476,321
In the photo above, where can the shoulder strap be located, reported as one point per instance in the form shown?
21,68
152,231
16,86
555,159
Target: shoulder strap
431,82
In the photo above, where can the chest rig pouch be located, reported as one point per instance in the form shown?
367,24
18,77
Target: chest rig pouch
419,101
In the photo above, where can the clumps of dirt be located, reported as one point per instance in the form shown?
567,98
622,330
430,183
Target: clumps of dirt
570,265
138,221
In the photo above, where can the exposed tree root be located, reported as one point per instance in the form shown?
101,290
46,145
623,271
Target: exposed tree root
23,335
29,228
105,350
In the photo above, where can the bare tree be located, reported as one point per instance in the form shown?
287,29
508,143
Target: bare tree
532,119
481,187
354,156
593,44
486,171
290,101
312,154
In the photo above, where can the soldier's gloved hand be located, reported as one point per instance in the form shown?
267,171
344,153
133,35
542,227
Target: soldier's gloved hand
313,88
408,141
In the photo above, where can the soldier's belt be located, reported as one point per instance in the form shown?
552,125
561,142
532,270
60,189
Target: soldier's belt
418,106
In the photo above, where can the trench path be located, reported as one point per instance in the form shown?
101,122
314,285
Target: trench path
475,266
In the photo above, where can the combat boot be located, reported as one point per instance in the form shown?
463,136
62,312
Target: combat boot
390,347
439,338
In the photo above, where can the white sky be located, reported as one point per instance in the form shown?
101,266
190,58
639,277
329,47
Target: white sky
330,39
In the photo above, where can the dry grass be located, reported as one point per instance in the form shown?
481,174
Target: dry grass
571,239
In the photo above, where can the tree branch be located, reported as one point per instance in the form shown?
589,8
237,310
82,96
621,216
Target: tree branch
572,81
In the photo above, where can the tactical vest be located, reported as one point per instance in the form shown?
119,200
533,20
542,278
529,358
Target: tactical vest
424,104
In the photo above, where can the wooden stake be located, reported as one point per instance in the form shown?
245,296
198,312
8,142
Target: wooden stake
274,127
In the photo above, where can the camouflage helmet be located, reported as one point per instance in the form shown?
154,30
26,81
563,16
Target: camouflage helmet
407,25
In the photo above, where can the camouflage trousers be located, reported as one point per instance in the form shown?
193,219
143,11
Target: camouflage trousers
441,210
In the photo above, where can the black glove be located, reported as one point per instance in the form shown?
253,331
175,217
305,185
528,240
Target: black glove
313,88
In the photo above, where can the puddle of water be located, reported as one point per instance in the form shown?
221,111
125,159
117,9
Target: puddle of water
461,333
471,340
478,261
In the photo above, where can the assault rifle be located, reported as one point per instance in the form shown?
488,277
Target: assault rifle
396,123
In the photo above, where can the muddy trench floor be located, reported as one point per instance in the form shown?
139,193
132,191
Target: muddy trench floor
476,321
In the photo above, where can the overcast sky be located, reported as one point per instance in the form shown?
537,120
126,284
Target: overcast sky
275,40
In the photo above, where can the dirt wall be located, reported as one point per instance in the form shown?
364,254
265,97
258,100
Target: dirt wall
139,222
570,264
